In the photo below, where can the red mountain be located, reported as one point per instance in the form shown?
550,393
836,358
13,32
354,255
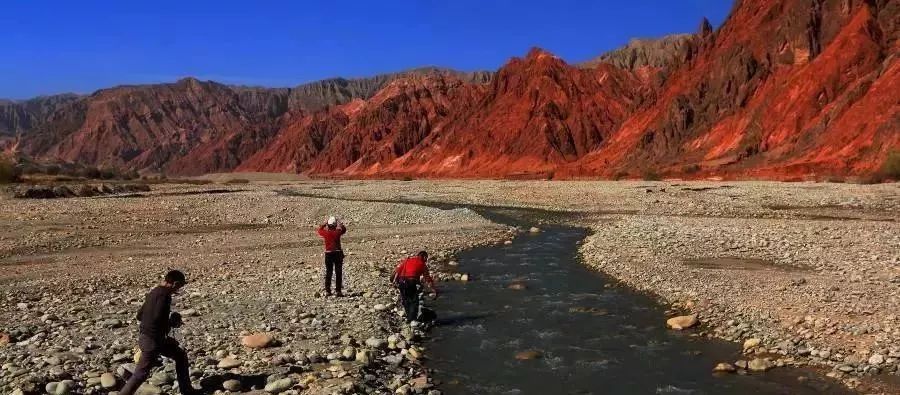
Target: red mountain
784,89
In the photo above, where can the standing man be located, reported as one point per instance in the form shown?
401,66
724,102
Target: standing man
407,277
331,232
156,319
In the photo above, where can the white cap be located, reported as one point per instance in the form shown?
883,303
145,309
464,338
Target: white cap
332,220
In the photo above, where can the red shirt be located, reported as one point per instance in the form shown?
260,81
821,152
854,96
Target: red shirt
332,237
412,267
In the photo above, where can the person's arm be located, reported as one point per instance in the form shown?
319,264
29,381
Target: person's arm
321,230
343,229
430,281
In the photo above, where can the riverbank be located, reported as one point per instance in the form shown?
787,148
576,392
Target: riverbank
75,270
809,270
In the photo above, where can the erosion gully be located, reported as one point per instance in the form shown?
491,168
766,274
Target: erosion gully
591,335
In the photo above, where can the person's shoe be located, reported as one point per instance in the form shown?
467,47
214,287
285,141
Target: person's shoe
339,294
327,292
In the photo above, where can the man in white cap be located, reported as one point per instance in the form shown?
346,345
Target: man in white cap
331,232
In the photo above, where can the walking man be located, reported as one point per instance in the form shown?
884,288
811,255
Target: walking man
331,232
408,277
156,320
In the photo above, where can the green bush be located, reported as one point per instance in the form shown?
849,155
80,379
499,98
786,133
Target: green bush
891,166
9,172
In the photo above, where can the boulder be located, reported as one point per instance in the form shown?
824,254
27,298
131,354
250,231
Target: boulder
232,385
258,340
724,367
279,386
682,322
751,343
229,363
760,365
108,380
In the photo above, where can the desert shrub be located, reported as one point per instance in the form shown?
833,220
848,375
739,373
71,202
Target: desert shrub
237,181
691,169
108,174
9,172
834,179
890,169
89,172
651,175
620,175
52,170
407,178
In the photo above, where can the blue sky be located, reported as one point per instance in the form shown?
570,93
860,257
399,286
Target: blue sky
80,46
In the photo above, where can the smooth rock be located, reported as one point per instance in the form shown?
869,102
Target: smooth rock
108,380
529,354
232,385
751,343
724,367
760,365
682,322
258,340
279,386
229,363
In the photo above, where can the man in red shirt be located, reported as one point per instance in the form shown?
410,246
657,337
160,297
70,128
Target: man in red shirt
407,277
331,232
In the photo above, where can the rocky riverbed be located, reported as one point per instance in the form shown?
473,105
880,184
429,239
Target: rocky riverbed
796,273
75,270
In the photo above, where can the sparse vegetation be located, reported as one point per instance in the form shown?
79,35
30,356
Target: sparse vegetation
407,178
890,169
691,169
651,175
9,173
620,175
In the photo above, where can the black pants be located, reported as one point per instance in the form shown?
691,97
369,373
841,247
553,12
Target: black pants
151,350
334,262
409,297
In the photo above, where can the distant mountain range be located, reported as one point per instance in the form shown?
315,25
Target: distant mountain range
784,89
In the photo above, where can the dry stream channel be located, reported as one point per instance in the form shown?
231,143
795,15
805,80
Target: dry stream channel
534,320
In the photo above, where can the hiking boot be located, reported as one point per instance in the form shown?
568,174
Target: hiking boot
327,292
339,294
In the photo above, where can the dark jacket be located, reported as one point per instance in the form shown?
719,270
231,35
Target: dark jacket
154,313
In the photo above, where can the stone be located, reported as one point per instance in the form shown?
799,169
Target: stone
381,307
376,343
229,363
148,389
464,278
365,357
258,340
414,352
751,343
529,354
724,367
232,385
279,386
349,353
760,364
161,378
876,359
108,380
682,322
4,339
534,229
517,286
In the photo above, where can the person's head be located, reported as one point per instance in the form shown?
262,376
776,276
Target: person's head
332,222
423,255
175,279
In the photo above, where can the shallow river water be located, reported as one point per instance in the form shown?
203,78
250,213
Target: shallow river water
594,336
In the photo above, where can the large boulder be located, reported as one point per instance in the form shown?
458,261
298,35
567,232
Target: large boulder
682,322
258,340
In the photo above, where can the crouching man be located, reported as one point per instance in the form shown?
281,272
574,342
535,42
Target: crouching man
156,320
408,278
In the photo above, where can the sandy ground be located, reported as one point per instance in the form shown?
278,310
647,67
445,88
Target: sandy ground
810,270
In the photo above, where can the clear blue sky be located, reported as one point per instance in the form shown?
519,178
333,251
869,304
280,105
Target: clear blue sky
80,46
